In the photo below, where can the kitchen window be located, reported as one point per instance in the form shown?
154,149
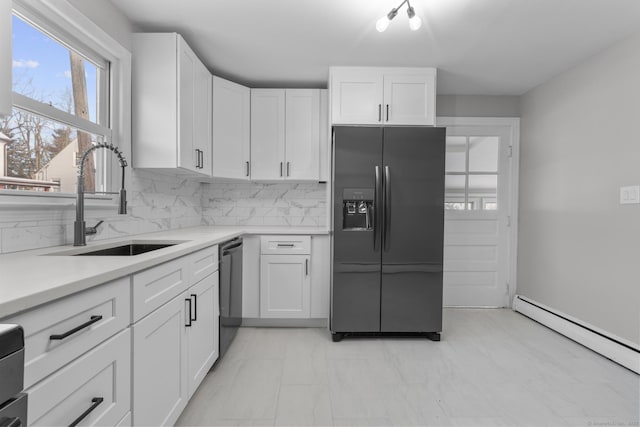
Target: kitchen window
67,80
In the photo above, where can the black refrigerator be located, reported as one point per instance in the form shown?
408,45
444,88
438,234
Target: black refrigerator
388,230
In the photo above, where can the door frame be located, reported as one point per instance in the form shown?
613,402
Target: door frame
513,123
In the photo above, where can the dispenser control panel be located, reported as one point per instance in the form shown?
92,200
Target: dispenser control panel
357,209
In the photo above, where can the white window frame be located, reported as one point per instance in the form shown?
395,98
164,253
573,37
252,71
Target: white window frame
62,19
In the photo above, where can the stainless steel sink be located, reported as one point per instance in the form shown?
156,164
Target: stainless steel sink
130,248
127,250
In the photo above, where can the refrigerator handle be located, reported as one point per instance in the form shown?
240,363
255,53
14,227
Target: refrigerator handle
387,208
377,228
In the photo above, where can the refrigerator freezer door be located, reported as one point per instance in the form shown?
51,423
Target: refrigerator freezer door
411,290
357,150
356,262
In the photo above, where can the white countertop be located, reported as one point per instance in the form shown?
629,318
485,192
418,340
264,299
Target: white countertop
32,278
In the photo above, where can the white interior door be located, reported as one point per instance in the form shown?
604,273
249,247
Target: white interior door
480,208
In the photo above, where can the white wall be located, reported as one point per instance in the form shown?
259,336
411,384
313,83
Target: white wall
579,250
477,106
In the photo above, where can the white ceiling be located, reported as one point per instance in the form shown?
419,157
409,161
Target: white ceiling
490,47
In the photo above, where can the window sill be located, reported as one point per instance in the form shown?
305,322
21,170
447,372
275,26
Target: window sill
27,200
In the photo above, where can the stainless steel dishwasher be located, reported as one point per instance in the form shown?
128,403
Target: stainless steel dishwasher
230,254
13,403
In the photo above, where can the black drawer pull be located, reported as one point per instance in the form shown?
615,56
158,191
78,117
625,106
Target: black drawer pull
286,245
95,402
189,320
93,320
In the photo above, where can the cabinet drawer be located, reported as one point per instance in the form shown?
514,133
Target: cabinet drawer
103,373
204,263
44,355
285,245
158,285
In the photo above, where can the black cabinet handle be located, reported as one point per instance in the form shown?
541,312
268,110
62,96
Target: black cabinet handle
93,320
286,245
387,112
280,168
306,267
248,168
288,169
189,319
95,402
195,307
379,112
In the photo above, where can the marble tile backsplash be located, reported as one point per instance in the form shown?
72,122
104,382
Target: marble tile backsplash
158,202
280,204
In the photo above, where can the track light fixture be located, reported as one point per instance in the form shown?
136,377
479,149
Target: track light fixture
414,21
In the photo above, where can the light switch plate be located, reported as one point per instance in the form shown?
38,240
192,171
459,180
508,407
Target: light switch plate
630,195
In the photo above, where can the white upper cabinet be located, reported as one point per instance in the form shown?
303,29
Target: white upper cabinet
285,134
231,129
171,98
267,134
302,134
5,63
393,96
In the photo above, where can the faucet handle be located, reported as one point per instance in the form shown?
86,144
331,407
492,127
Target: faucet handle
94,229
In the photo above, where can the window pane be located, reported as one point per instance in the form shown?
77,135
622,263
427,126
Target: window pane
483,153
483,189
454,187
456,154
42,155
42,70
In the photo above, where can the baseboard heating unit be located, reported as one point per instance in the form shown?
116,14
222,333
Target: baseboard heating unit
617,349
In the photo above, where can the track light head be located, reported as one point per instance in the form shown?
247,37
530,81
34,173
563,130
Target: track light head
414,21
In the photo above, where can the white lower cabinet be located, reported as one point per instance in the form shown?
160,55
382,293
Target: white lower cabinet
93,390
202,334
284,286
159,369
175,345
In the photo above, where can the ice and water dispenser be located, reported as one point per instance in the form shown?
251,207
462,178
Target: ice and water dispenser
357,209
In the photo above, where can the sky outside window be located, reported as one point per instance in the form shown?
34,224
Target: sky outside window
42,70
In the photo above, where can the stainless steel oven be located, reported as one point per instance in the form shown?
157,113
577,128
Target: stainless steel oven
230,292
13,403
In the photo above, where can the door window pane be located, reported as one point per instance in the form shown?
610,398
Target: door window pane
483,190
456,158
483,153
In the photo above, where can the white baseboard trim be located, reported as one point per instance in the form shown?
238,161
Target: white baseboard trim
617,349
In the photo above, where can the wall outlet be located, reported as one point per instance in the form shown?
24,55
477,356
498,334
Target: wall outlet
630,195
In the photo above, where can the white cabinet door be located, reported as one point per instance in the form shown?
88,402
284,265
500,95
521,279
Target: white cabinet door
231,129
409,99
186,72
159,365
171,106
356,96
202,334
395,96
284,286
6,60
267,134
302,134
202,118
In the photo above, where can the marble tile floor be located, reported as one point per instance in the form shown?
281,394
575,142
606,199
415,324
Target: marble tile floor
493,367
